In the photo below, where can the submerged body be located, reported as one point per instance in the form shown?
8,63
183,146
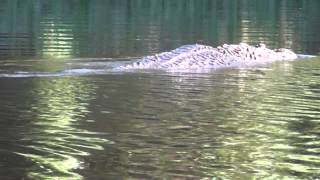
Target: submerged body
197,56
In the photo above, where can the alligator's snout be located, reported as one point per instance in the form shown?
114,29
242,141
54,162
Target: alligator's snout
285,54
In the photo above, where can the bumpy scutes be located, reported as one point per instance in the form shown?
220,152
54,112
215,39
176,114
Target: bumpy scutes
206,57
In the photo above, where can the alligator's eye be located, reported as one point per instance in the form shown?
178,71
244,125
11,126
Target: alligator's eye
260,45
279,50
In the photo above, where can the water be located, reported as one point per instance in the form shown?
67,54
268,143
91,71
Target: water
65,115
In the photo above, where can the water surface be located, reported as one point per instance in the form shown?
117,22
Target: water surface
64,115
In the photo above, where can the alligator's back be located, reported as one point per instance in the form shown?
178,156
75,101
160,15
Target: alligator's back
203,57
175,58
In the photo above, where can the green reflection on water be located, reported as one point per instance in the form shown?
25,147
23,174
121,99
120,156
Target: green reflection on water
57,144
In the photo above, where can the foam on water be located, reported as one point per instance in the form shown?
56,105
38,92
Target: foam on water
302,56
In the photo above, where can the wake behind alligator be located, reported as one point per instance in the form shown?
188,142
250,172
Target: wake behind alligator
195,57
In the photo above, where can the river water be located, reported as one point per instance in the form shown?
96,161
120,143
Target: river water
65,115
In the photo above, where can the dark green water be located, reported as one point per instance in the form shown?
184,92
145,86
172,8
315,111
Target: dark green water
63,117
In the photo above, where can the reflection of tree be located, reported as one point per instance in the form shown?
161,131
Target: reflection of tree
308,39
133,28
16,25
60,28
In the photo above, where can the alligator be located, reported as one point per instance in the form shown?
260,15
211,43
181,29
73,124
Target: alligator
196,56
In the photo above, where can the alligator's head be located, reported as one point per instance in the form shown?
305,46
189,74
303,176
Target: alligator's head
276,54
285,54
